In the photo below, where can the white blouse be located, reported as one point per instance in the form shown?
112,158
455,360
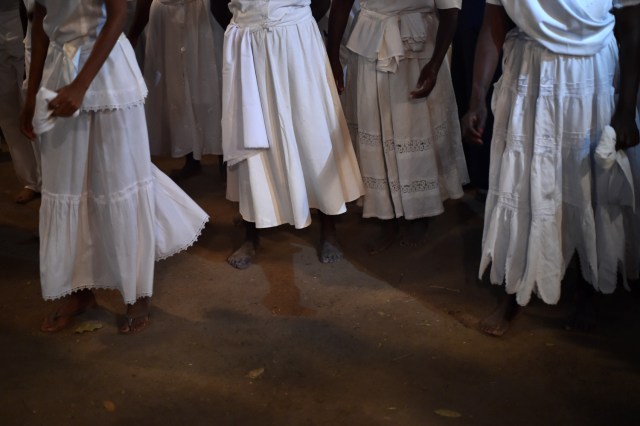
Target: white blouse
567,27
72,27
390,31
267,13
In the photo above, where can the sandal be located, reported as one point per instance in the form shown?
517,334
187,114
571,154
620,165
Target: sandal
58,320
134,324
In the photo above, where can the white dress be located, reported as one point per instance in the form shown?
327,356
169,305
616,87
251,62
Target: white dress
106,212
550,109
284,134
410,151
24,154
183,76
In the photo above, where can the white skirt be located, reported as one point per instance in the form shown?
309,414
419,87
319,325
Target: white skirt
310,161
550,111
410,151
107,214
183,77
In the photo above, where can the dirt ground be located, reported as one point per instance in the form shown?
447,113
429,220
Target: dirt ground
374,340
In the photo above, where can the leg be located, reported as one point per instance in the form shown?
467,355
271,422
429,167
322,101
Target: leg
73,305
416,234
222,169
242,257
137,317
500,319
584,316
191,168
388,235
330,250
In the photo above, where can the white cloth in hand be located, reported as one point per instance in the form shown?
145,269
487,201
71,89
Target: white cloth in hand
614,181
43,120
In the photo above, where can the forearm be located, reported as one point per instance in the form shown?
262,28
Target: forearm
39,47
23,18
628,30
116,17
221,12
140,19
493,32
448,19
319,8
338,19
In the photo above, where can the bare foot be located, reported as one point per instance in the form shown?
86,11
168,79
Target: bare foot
330,250
500,319
388,235
137,317
242,258
416,234
71,306
26,195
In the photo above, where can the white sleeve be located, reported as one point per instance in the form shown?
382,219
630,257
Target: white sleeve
495,2
449,4
618,4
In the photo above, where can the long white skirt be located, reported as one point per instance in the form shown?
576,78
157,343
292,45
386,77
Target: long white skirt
410,151
550,111
106,212
310,162
182,73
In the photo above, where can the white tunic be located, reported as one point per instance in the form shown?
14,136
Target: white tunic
106,212
569,27
283,129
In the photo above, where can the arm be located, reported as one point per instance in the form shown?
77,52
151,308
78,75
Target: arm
623,121
495,26
70,97
220,11
140,20
338,19
23,18
319,8
39,46
448,18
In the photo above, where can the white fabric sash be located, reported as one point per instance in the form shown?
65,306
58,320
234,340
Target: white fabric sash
244,129
388,39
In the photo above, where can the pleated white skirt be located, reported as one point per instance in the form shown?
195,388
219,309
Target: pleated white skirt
310,161
550,111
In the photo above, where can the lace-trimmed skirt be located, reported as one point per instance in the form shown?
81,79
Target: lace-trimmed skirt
409,151
550,111
107,213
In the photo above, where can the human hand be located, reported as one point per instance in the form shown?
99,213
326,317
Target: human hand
26,119
473,123
426,82
68,101
627,135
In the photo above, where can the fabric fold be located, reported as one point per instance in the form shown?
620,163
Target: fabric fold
244,132
388,39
